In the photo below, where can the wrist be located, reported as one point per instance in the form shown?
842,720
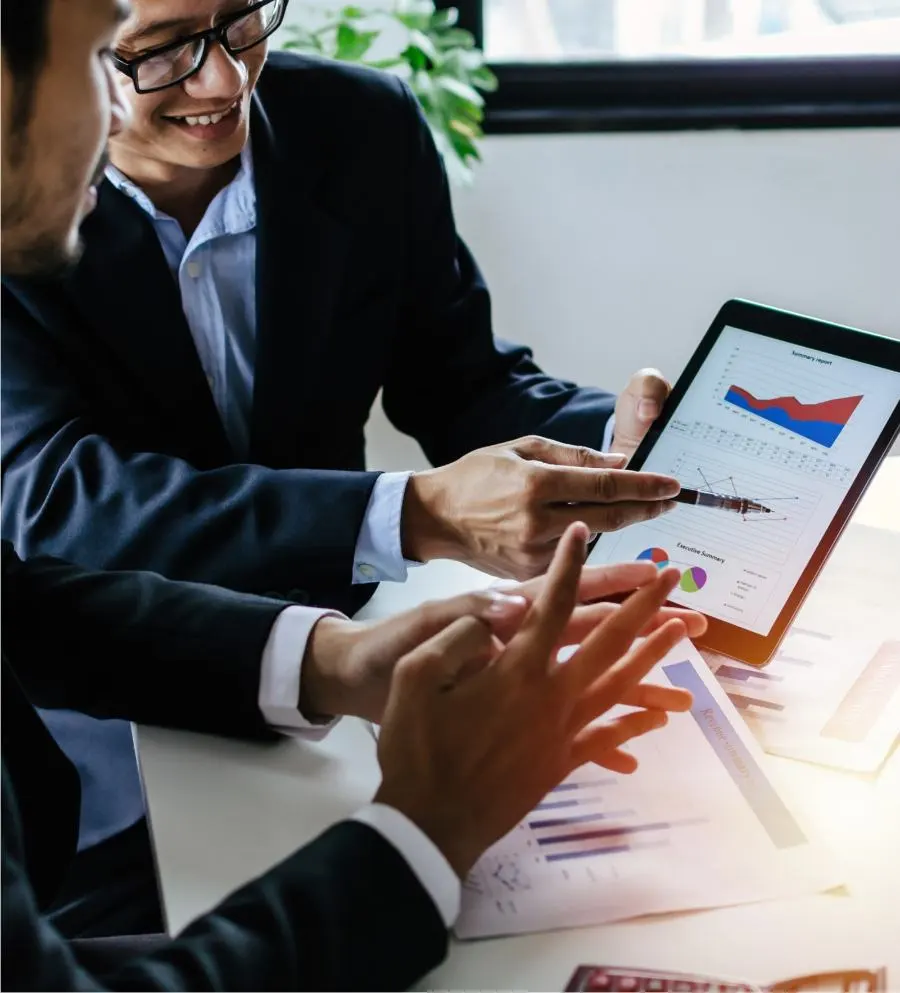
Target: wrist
440,826
425,533
323,680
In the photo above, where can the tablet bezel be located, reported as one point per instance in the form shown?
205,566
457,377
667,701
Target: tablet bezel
846,342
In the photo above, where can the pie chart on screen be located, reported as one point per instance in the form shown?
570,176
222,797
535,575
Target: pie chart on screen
658,556
693,579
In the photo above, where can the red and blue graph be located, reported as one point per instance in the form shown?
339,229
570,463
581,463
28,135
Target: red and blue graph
818,422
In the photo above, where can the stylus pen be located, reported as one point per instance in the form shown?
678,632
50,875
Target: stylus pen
739,505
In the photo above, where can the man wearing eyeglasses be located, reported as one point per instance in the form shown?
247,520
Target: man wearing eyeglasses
273,245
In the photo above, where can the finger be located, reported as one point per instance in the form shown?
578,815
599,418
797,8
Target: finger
608,517
586,618
651,696
557,453
695,624
617,760
593,742
462,645
612,686
615,636
503,612
556,484
595,581
541,630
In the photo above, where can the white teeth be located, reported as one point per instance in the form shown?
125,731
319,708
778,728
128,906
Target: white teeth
206,118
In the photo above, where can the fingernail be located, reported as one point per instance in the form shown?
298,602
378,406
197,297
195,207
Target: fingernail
669,489
648,410
617,457
504,605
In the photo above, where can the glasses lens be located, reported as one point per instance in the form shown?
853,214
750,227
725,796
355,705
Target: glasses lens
250,29
169,67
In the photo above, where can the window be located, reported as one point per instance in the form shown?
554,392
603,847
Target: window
615,64
651,29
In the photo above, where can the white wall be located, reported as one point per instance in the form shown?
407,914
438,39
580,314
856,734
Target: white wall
606,253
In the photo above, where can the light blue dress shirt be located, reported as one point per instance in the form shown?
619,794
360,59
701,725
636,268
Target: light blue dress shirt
216,274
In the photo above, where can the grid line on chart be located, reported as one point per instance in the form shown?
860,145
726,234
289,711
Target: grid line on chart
806,462
767,545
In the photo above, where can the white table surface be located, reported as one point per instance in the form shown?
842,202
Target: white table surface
222,812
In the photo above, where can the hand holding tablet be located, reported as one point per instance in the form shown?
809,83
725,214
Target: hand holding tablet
774,431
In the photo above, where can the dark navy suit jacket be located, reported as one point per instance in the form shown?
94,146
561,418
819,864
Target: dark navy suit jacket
317,921
114,455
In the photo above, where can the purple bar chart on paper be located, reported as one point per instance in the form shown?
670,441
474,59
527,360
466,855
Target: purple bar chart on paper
732,672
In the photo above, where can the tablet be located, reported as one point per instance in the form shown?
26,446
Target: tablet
790,412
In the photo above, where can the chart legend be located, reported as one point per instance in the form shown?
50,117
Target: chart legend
818,422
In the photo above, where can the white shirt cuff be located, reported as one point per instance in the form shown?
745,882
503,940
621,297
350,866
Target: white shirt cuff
280,672
378,556
424,857
608,433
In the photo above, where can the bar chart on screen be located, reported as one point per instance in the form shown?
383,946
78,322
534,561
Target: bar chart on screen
698,825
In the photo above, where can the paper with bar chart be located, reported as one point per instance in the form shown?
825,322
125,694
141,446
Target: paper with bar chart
788,427
833,700
698,825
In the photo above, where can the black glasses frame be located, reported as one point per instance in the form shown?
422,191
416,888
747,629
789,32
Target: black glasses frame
130,67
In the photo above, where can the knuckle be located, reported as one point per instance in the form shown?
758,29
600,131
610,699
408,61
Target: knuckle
534,485
529,444
582,456
533,531
607,488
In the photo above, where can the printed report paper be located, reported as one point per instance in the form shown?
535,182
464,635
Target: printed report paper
698,825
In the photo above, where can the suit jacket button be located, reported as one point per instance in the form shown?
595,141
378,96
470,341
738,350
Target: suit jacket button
298,596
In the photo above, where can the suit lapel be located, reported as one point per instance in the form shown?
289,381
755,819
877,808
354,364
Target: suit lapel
299,268
125,288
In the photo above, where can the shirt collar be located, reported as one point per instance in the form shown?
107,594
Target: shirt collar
240,191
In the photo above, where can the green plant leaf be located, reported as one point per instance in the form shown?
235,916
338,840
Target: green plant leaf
353,13
455,38
464,92
484,79
414,22
444,18
352,44
416,58
420,40
386,63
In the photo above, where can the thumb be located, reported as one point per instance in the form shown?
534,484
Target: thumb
558,453
647,391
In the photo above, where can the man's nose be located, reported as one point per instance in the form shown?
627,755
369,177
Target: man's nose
119,108
221,75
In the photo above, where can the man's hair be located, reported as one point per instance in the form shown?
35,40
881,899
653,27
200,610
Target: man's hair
24,43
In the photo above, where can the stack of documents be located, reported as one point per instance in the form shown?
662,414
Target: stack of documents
834,700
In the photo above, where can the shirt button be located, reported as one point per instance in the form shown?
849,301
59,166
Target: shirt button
193,269
367,571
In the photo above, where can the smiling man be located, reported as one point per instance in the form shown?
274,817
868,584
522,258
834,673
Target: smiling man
273,245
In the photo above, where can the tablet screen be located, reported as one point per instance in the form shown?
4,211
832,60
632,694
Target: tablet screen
785,425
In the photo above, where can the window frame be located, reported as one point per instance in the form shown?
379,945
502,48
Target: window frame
667,95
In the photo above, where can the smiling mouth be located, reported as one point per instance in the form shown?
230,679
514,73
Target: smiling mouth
204,119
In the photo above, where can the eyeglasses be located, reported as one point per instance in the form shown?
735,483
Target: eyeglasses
171,64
